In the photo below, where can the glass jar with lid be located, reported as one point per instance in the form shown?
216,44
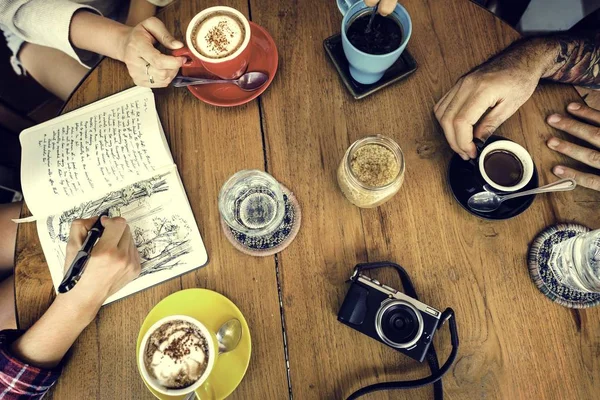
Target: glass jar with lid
372,171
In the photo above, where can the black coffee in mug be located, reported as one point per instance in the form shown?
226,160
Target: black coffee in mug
503,167
385,35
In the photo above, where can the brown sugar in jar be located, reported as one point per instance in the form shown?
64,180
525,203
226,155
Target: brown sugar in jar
372,171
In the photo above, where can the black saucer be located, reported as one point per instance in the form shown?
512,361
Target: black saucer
404,66
465,180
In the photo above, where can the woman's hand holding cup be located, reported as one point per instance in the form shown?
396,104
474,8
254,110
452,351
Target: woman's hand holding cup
145,63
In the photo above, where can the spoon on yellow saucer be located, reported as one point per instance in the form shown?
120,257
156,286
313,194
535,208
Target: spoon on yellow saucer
229,335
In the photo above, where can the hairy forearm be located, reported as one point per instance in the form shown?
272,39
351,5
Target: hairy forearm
48,340
576,60
100,35
565,58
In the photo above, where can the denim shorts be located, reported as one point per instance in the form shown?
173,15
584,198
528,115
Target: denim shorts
14,44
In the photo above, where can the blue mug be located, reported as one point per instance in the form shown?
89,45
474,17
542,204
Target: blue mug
368,68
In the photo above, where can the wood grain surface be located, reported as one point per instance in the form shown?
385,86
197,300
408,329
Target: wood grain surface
208,145
515,344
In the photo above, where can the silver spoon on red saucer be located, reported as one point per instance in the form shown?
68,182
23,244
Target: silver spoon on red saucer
249,81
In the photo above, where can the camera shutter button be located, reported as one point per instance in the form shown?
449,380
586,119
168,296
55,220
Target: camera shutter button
426,337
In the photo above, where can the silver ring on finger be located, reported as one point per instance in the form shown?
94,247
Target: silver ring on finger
150,77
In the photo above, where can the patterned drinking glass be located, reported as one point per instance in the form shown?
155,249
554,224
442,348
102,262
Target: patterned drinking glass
575,262
251,202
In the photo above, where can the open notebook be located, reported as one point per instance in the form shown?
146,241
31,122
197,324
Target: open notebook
113,155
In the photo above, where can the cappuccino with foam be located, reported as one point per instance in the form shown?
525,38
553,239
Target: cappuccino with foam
176,354
218,35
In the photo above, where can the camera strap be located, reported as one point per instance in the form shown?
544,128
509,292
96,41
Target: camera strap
436,372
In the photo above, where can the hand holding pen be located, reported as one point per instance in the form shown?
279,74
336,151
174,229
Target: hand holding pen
114,261
79,263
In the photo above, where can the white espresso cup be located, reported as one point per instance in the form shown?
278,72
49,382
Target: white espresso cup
212,354
518,151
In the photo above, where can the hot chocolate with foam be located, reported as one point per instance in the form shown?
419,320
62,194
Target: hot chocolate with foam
176,354
218,35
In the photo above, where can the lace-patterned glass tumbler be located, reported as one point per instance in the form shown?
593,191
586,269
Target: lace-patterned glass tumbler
575,262
251,202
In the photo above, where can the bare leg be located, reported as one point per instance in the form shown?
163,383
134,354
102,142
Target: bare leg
8,318
59,73
53,69
8,233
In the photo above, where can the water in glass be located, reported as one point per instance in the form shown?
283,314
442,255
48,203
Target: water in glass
251,202
576,262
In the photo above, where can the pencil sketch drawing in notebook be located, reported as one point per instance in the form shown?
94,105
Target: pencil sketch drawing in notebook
111,155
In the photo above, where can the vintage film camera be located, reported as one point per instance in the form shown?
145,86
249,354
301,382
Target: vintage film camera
389,316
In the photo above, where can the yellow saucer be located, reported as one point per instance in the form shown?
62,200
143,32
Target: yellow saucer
213,310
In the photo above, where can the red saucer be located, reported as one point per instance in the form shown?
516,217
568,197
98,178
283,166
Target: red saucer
264,58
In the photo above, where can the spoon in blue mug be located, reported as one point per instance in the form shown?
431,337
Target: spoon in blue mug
368,29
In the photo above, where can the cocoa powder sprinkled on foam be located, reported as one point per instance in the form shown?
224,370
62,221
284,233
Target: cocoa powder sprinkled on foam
217,37
180,346
177,351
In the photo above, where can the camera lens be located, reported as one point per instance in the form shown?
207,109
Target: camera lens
399,324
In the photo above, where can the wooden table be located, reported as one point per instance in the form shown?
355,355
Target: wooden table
514,342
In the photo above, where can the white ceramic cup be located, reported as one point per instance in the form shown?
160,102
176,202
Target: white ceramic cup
516,149
211,356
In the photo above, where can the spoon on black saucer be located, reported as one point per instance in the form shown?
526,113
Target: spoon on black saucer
249,81
488,201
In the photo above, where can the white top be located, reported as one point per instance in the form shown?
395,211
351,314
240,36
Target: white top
47,22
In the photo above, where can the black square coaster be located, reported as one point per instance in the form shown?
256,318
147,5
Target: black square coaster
402,68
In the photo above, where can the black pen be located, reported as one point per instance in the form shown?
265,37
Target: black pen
83,255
